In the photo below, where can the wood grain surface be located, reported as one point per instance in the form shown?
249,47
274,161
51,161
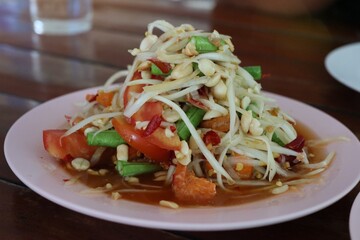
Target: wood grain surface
34,69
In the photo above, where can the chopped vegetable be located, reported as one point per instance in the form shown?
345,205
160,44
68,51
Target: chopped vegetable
147,112
66,147
155,70
160,139
203,44
195,66
159,68
297,144
129,169
135,139
153,125
107,138
277,140
195,116
255,71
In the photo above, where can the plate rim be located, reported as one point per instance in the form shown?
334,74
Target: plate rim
329,58
176,226
355,209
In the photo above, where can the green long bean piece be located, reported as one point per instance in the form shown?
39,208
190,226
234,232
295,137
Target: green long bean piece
195,116
128,169
202,44
255,71
277,140
155,70
107,138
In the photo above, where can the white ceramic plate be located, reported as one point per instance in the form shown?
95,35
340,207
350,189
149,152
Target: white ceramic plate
29,161
343,64
355,219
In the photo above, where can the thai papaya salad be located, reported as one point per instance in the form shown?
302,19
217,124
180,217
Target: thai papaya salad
190,115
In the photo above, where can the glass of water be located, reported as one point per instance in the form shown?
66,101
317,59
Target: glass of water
61,17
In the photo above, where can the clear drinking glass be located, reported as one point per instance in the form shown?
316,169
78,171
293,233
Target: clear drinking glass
61,17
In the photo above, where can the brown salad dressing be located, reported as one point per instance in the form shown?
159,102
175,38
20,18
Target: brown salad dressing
158,192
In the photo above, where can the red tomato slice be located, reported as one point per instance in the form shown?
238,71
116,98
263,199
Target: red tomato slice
130,90
159,139
133,89
51,141
149,109
71,146
135,139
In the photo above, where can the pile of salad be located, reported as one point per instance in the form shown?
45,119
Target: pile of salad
189,111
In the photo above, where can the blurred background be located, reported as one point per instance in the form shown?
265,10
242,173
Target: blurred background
257,24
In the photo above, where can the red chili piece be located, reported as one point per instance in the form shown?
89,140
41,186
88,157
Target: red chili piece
203,91
137,75
297,144
157,77
195,102
153,125
173,128
91,97
211,137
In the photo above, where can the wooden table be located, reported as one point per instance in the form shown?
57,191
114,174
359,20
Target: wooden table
34,69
